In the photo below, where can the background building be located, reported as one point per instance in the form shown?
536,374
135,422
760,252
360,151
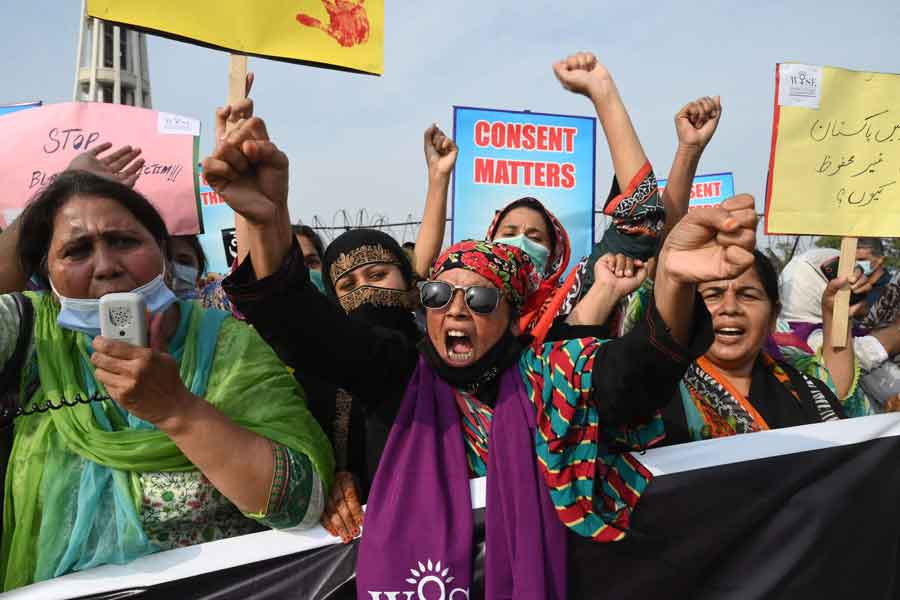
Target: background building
111,65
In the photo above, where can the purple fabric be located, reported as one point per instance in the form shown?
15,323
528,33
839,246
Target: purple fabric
419,512
526,541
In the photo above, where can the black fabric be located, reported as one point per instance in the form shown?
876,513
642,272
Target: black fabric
9,386
397,318
353,239
769,397
819,524
642,368
314,336
564,331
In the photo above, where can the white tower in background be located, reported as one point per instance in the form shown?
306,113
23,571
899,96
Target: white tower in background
111,64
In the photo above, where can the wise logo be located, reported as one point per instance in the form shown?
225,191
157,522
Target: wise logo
428,581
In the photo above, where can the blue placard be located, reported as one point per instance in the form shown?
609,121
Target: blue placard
505,155
11,108
218,225
708,190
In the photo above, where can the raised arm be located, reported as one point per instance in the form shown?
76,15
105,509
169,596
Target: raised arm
122,165
695,125
583,74
440,156
272,286
615,276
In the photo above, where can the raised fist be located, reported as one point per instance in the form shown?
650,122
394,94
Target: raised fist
581,73
440,152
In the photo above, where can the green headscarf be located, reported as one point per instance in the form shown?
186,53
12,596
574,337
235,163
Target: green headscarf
73,494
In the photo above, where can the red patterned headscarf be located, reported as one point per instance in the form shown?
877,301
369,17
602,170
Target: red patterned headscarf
506,267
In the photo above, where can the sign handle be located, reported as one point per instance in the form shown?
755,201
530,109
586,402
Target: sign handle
841,321
237,90
237,78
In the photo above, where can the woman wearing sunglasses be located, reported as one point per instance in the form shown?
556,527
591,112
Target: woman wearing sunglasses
545,422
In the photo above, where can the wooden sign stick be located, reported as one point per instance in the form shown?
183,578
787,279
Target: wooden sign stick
237,90
841,321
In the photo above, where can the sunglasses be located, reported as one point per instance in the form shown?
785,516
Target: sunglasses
436,295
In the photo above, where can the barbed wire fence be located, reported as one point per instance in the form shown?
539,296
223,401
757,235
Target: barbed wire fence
781,248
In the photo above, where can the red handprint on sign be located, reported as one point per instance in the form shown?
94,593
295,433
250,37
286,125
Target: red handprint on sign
348,22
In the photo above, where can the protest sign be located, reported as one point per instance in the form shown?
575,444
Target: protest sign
505,155
12,108
346,34
217,218
39,143
835,161
708,190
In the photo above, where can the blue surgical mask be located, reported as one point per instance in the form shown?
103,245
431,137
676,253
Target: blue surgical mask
83,314
184,284
537,253
316,278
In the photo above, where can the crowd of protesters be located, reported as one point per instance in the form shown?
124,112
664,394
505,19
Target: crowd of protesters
315,380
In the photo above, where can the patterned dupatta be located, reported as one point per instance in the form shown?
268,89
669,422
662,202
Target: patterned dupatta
714,408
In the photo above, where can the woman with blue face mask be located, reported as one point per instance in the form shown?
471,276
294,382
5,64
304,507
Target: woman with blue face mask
526,224
171,439
188,266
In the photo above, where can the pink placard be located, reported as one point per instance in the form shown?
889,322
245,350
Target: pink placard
40,142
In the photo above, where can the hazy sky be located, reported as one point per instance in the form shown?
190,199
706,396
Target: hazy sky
356,141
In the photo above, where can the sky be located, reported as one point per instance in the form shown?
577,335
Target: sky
355,141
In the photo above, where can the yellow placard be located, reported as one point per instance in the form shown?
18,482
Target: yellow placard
346,34
835,161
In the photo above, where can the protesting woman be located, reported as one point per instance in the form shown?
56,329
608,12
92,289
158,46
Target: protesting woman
474,400
740,385
120,451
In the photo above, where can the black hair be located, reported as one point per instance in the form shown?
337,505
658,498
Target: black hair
873,244
310,234
768,276
535,205
194,242
36,221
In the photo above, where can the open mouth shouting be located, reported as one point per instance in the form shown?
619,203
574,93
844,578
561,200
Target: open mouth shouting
459,346
729,334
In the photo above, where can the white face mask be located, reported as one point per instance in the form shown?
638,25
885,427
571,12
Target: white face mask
83,314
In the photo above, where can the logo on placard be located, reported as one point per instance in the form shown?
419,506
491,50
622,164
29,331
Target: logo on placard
429,581
803,83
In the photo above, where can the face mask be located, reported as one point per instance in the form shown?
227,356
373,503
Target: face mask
185,282
537,253
316,278
84,314
866,266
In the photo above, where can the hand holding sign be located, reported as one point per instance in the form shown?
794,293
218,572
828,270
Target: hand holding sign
250,172
123,165
697,121
582,73
228,116
440,152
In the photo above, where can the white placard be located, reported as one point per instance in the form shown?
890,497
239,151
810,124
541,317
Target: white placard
800,85
171,123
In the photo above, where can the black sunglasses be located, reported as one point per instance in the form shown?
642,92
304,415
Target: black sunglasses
436,295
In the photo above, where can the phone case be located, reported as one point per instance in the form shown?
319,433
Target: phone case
123,317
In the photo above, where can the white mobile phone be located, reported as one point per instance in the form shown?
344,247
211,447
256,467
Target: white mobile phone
123,317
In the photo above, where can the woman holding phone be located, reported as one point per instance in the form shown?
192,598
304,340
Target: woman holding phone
119,450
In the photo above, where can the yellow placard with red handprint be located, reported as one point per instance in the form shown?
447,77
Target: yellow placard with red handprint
345,34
